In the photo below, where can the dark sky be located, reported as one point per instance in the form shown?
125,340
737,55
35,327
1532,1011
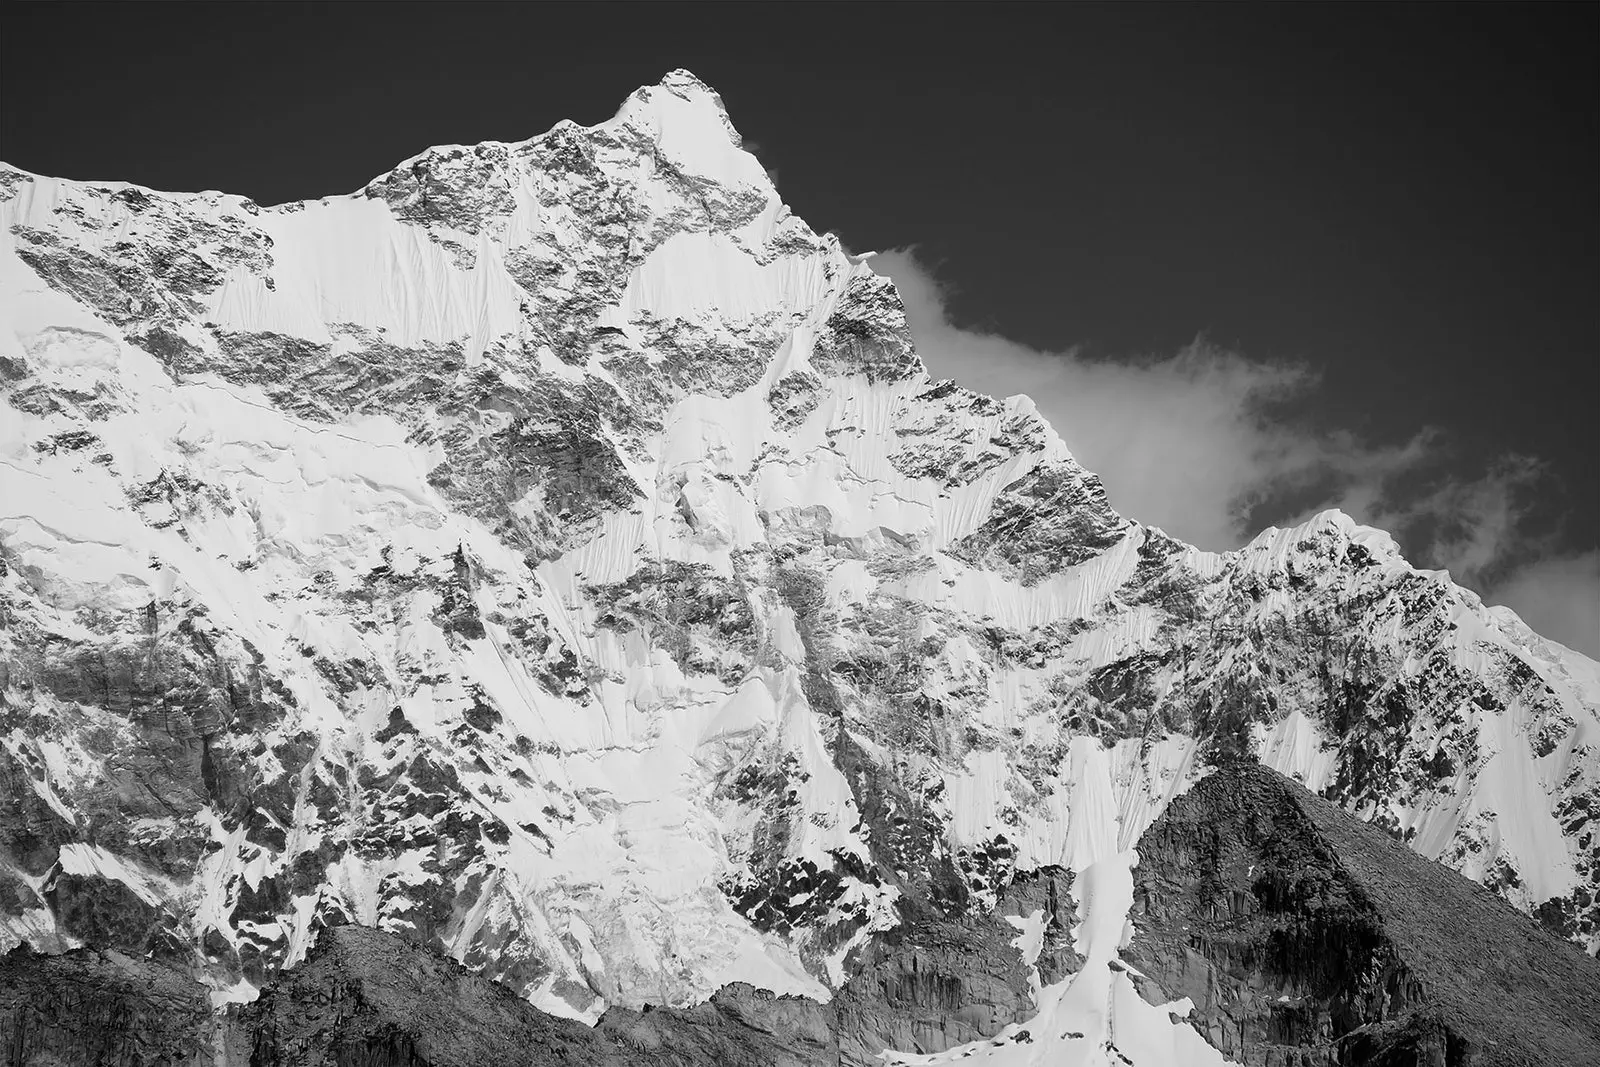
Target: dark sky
1404,196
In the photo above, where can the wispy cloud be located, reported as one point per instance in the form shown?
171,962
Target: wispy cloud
1477,527
1202,444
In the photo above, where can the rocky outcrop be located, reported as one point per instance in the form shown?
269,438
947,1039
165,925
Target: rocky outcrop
374,999
364,995
931,985
1305,937
107,1009
1045,892
739,1025
365,998
1302,936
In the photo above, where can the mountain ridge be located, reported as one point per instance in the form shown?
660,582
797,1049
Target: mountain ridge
556,552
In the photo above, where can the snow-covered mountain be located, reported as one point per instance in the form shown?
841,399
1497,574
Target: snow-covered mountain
555,552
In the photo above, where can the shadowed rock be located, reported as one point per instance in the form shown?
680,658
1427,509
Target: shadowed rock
1307,937
373,999
103,1008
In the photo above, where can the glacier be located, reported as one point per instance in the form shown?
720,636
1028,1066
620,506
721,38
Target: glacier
555,552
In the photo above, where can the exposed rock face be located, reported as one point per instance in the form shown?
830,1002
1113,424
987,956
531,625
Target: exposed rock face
1046,893
1302,937
932,984
1305,937
375,999
107,1009
555,554
372,999
738,1025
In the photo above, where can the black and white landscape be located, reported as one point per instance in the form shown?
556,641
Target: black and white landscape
539,608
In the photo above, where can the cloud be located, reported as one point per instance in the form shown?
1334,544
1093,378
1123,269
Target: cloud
1190,442
1181,443
1204,443
1478,529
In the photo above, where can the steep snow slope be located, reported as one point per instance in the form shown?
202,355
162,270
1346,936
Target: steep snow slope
555,552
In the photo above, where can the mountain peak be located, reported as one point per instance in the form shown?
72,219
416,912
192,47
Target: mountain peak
692,129
685,83
558,556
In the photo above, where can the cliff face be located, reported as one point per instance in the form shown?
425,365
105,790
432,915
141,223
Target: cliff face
371,999
1303,936
104,1008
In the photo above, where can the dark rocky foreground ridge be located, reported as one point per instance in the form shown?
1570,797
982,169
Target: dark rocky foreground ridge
366,998
1303,936
92,1006
371,998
